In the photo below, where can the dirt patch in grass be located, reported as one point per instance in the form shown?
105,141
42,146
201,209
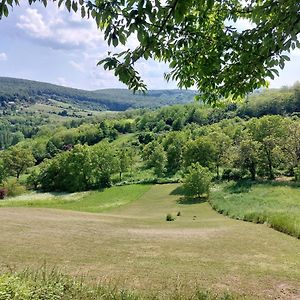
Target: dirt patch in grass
150,233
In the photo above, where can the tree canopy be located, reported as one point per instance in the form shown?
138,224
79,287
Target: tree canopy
199,39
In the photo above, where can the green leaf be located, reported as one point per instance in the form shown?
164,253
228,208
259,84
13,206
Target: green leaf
210,4
115,41
285,57
74,6
5,10
68,5
83,12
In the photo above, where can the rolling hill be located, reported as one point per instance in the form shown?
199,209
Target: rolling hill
15,91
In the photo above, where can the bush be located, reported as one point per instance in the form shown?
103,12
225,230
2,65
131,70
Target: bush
197,181
14,188
32,180
3,193
297,174
170,218
232,174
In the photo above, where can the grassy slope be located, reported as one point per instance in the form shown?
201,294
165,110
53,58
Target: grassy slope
134,246
277,204
87,201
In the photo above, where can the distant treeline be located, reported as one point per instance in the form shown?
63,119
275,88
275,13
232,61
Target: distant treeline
285,101
20,90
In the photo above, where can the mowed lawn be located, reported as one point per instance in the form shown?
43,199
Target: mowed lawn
132,245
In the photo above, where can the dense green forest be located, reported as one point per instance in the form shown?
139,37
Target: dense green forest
255,138
26,106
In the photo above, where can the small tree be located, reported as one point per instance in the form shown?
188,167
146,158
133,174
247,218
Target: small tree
17,160
248,155
197,181
155,157
125,159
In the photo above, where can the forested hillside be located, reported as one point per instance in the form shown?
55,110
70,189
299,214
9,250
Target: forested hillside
258,137
28,92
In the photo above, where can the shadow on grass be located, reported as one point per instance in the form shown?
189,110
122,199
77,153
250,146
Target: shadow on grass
179,191
191,200
242,186
277,182
245,185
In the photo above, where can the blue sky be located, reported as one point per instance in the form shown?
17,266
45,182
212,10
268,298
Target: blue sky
54,46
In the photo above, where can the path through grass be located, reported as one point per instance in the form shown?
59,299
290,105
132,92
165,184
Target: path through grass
134,247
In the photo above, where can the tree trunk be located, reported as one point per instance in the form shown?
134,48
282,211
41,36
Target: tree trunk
270,167
253,171
218,171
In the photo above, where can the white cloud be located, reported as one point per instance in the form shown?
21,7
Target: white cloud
59,29
33,24
78,66
3,56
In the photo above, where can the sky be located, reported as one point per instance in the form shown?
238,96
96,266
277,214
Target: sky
52,45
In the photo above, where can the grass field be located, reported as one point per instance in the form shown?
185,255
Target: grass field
277,204
134,247
85,201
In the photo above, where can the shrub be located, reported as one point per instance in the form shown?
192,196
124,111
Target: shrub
232,174
3,193
297,174
14,188
170,218
32,180
197,181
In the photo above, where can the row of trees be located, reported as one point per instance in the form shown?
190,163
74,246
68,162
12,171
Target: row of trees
82,168
285,102
266,147
233,148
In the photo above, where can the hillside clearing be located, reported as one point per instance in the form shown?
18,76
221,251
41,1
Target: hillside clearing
134,246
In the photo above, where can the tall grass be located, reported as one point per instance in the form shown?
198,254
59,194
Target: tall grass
95,201
277,205
53,285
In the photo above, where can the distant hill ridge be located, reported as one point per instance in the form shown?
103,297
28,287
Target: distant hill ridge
22,90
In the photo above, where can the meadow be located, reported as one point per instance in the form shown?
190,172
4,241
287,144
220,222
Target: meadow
275,203
92,201
132,246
